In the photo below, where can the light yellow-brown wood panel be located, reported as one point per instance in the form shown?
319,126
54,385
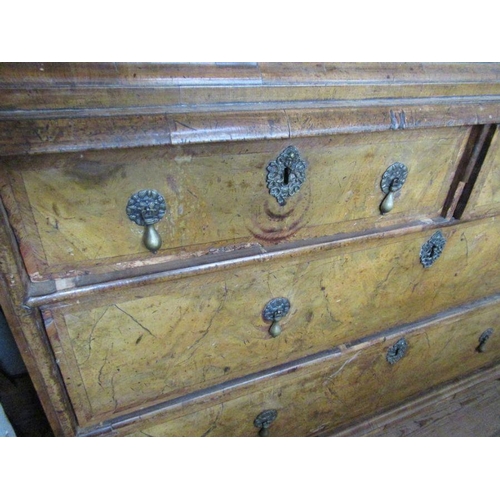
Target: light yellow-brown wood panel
333,392
485,196
133,347
73,205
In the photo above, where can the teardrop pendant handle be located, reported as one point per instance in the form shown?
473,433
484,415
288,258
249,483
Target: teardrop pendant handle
275,310
275,329
392,180
388,203
152,239
146,208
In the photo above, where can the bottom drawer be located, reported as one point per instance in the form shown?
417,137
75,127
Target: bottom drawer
319,395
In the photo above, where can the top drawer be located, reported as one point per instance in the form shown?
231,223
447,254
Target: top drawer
69,210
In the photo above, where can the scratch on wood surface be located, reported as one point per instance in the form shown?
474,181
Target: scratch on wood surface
91,336
97,253
99,381
214,424
464,238
427,338
232,248
438,355
207,330
380,284
113,393
135,321
185,125
333,375
327,304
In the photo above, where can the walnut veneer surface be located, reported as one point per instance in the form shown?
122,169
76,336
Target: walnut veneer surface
123,341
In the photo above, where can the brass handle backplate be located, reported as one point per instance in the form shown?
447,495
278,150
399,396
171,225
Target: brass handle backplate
275,310
432,249
264,420
483,339
146,208
286,174
397,351
392,180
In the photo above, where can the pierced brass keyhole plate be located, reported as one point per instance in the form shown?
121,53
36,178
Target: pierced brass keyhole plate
286,174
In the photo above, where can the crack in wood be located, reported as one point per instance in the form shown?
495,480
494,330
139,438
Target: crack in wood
135,321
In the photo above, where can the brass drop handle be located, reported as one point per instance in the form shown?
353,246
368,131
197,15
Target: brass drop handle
146,208
388,202
275,329
483,339
264,420
275,310
151,238
392,180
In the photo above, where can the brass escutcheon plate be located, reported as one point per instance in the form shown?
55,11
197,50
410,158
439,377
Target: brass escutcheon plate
146,207
276,309
432,249
397,351
394,178
286,174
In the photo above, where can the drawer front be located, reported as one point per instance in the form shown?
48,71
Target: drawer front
320,397
69,210
143,345
485,196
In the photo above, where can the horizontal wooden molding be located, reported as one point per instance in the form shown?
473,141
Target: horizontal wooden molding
40,74
20,134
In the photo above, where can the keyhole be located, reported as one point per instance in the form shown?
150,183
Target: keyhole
286,175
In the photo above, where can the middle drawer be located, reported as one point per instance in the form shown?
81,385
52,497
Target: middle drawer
130,348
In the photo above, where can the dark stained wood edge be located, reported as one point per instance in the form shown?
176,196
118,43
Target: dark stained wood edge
65,134
468,160
28,331
249,256
235,388
417,406
22,222
480,152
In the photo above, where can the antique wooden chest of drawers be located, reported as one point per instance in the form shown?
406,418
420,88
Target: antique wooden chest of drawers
249,249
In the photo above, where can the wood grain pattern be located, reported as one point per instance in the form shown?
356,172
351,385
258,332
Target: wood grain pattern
217,196
119,351
319,397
